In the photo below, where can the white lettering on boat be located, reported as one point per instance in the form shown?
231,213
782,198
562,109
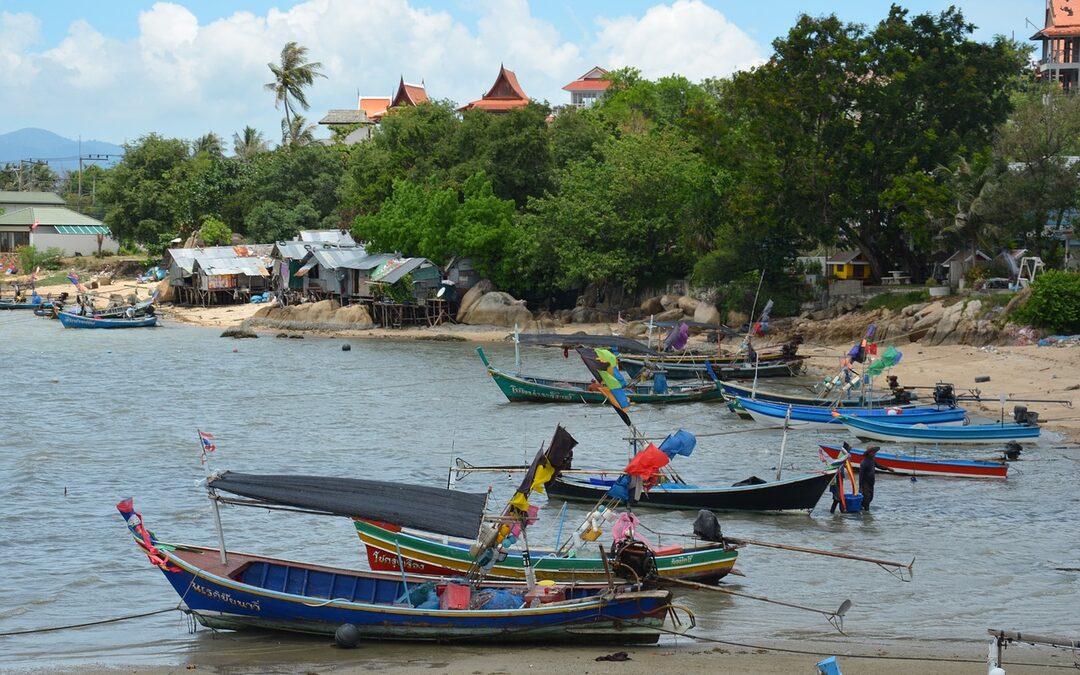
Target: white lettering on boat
226,598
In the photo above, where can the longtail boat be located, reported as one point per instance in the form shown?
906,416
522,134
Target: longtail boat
426,554
697,367
973,434
69,320
4,304
251,591
919,466
518,387
800,493
772,396
809,416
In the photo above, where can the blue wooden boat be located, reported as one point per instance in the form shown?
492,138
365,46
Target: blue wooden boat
974,434
914,465
760,394
251,591
773,414
70,320
25,305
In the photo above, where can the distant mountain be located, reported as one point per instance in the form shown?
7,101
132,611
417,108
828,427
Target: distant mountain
61,153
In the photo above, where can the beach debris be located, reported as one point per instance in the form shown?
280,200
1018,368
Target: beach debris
828,666
239,333
346,347
616,656
347,636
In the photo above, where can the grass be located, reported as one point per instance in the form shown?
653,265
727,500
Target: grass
896,301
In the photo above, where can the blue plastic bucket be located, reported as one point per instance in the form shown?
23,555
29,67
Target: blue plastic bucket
852,503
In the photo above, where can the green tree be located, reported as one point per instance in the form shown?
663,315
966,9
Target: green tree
973,213
298,132
29,177
215,232
209,144
291,190
248,143
293,74
138,193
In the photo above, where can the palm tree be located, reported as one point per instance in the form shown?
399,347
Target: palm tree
291,76
210,143
972,214
298,133
248,143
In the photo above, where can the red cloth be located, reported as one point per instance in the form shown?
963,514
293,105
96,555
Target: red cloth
647,463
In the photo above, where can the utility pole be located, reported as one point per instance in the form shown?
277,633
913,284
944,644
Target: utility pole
89,158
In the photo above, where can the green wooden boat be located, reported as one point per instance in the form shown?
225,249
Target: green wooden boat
421,553
527,388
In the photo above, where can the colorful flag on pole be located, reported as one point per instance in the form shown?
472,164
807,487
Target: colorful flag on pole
609,380
207,441
74,278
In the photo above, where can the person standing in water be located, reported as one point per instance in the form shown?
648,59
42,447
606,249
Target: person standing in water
867,469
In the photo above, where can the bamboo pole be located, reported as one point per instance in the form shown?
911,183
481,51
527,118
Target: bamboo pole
831,615
1016,636
818,551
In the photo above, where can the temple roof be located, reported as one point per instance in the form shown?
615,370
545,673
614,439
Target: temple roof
1062,19
409,94
374,106
505,94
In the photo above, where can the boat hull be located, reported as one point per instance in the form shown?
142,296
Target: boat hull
311,599
25,305
975,434
774,414
910,465
75,321
428,555
676,370
735,389
792,494
519,388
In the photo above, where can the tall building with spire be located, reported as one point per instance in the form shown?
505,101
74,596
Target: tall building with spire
1060,59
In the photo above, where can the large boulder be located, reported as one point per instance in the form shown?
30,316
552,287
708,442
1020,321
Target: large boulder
498,309
582,314
652,306
736,319
472,296
687,304
354,315
673,314
668,301
706,312
165,291
950,319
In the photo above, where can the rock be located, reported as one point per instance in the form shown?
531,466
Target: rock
1072,387
929,316
706,312
668,301
687,304
498,309
673,314
239,332
165,291
973,309
912,310
354,315
546,319
105,280
950,319
736,319
583,314
472,296
94,284
652,306
637,329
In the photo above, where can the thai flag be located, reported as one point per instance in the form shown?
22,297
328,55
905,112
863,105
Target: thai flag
35,225
207,441
74,278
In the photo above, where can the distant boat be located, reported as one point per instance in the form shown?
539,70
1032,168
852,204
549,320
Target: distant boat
913,465
810,416
772,396
518,387
725,368
70,320
973,434
4,304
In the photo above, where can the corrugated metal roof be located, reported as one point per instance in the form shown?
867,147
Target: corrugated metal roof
252,267
395,272
333,258
373,261
185,257
327,236
39,198
47,215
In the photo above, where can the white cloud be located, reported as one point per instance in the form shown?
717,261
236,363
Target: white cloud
688,38
183,78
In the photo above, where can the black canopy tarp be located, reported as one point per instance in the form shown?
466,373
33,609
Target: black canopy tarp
456,514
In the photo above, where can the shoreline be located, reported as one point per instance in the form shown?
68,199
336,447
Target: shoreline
237,653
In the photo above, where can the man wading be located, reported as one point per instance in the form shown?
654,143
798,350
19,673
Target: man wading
866,476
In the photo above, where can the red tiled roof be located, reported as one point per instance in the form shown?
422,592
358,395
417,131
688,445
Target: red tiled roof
409,94
374,106
505,94
588,85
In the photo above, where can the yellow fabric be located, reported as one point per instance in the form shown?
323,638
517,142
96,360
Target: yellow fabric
520,502
544,472
608,358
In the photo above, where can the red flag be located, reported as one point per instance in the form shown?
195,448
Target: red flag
35,225
647,463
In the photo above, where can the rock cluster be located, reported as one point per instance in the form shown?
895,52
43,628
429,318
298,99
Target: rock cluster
949,322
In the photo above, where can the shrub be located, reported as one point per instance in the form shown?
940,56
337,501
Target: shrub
30,258
1054,303
215,232
896,301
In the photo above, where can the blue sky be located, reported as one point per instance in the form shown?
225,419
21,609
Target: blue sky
116,70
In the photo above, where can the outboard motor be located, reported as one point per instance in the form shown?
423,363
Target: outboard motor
707,527
1021,415
635,556
944,395
1012,451
900,395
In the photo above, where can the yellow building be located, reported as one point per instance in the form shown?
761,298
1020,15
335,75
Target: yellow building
847,265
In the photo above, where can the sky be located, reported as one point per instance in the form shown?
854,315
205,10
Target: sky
116,70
